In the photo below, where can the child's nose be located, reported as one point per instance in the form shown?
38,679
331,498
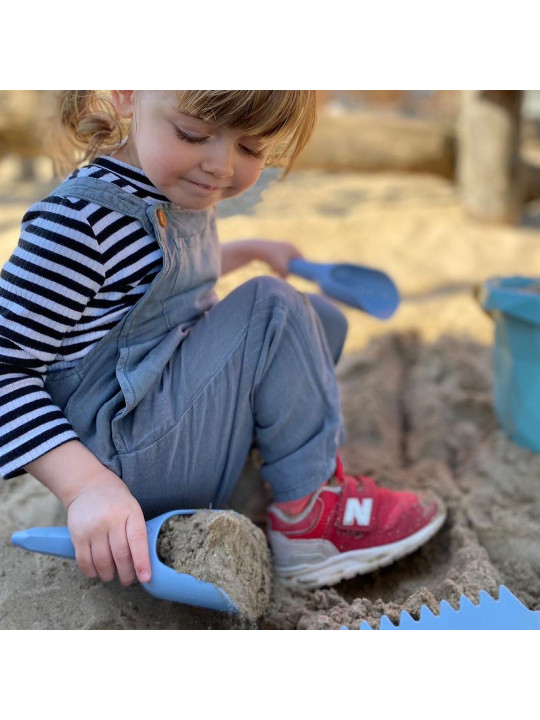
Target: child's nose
219,160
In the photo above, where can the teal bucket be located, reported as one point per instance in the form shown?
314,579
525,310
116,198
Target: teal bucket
514,305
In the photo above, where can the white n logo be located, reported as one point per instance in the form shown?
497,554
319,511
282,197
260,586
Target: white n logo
357,512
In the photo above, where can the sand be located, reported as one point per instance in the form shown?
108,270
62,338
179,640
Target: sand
222,548
416,394
441,436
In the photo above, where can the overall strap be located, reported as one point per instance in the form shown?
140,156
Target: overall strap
108,195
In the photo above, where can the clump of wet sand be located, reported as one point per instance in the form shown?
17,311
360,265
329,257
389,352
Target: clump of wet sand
223,548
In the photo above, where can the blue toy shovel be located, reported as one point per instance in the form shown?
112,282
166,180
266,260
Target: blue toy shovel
165,583
503,613
365,288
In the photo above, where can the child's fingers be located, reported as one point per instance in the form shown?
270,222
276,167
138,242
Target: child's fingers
121,553
83,556
103,559
138,543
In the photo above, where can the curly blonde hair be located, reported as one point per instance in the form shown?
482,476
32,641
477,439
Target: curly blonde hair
90,126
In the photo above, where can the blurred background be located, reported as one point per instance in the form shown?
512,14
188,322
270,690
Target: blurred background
439,188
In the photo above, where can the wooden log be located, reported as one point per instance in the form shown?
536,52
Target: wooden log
489,170
532,181
365,142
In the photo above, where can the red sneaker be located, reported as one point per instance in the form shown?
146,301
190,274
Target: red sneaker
349,527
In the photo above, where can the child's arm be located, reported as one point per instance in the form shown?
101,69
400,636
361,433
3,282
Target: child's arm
274,253
106,523
56,270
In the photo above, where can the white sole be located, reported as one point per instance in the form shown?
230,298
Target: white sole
343,566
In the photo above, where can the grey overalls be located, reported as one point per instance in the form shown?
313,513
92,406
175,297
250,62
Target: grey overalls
172,398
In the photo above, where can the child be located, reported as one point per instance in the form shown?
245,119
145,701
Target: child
129,390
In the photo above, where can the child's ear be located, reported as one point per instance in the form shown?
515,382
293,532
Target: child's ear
122,101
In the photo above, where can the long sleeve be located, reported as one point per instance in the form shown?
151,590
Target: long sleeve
77,269
53,274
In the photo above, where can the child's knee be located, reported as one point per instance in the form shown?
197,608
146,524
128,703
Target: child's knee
266,288
280,302
270,285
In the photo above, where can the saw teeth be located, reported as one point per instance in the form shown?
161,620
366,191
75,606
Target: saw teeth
503,613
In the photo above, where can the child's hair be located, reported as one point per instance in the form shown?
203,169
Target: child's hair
90,125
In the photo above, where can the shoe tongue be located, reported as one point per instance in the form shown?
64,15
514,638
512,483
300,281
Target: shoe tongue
338,480
339,477
339,474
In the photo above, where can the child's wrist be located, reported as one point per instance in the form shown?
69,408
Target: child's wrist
69,469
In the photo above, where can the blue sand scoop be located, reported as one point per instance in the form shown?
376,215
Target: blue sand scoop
165,583
365,288
504,613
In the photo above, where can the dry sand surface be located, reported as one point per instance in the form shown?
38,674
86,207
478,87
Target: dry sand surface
416,400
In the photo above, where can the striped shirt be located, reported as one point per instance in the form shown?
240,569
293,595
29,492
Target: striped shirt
77,269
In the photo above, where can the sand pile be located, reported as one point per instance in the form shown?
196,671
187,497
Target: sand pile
222,548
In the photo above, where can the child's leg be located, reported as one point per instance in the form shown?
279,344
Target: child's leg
257,365
334,323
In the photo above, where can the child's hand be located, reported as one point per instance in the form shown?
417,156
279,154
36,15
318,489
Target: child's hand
105,521
277,255
108,530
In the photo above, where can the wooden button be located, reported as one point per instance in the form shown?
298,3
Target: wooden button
162,220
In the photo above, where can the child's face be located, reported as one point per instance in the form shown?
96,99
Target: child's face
193,163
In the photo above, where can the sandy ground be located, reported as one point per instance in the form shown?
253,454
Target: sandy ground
416,399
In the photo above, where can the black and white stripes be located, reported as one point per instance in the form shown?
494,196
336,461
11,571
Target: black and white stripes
77,269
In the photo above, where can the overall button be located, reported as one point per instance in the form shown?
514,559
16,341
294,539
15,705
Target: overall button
162,220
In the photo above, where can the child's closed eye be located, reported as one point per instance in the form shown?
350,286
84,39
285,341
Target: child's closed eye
195,139
252,151
200,139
